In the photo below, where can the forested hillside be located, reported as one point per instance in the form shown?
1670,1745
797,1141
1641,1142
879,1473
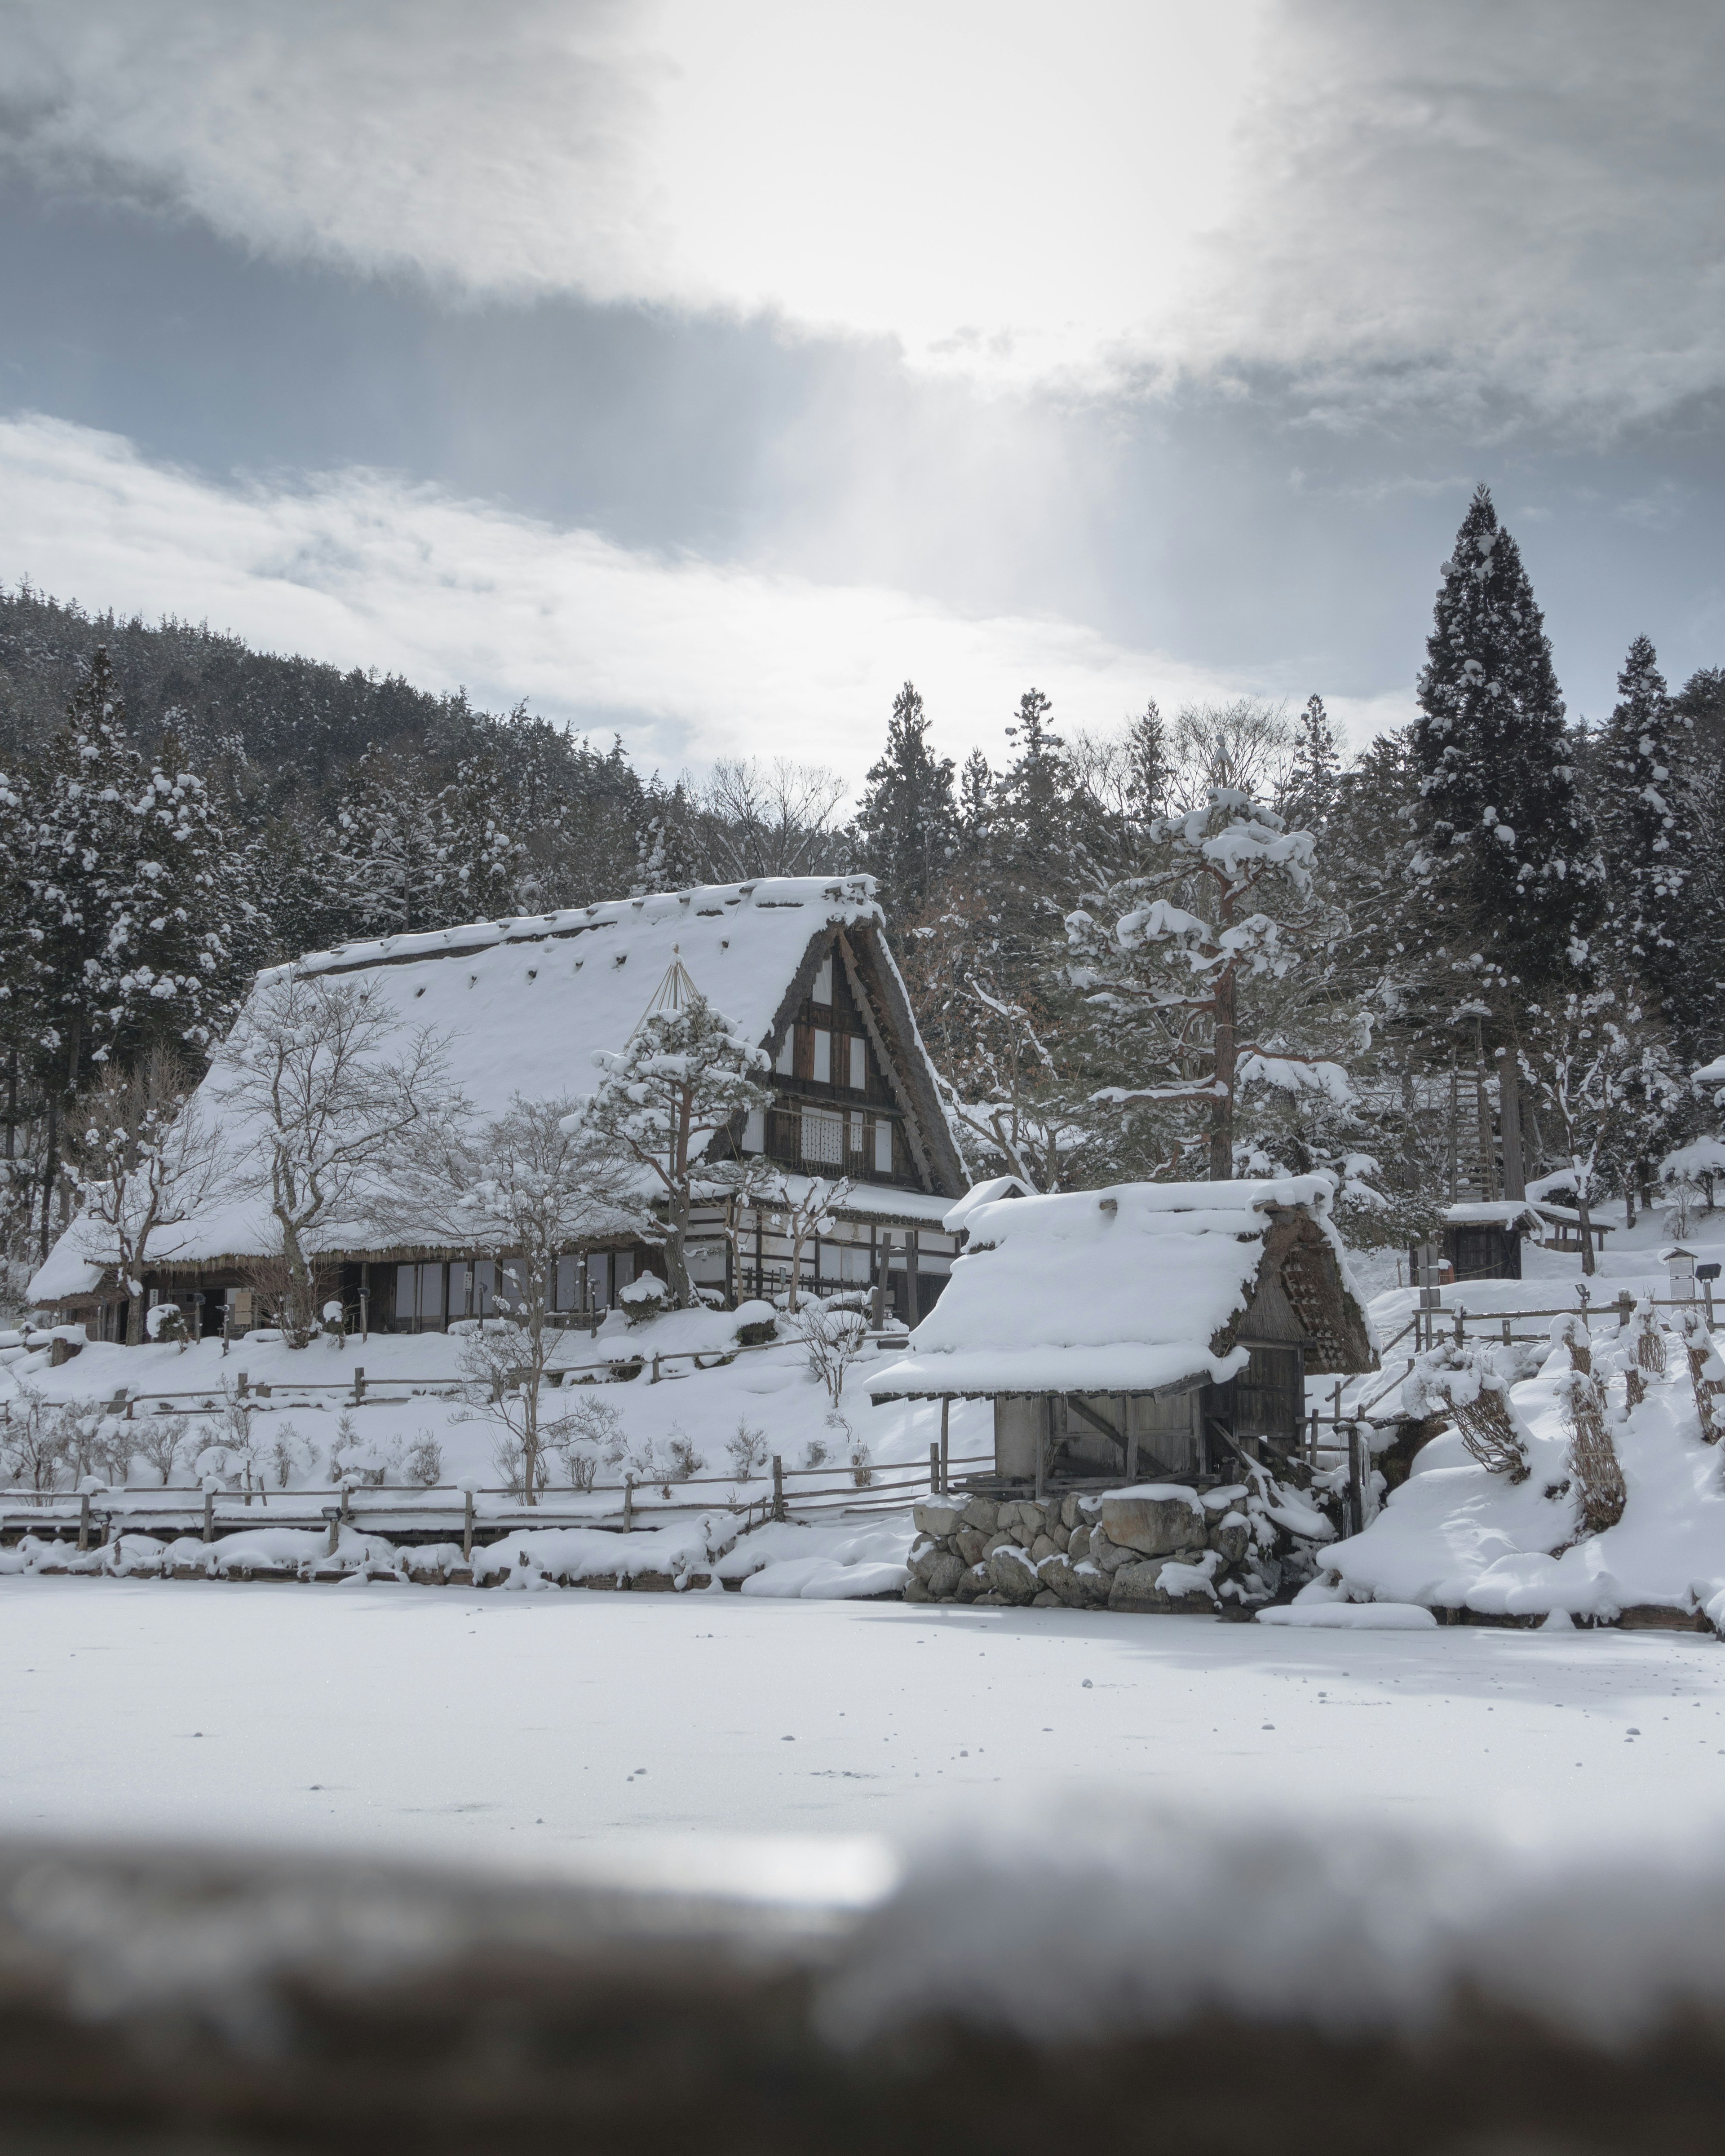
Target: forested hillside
1485,949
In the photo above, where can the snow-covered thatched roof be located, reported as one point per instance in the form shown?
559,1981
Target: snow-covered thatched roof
523,1006
1125,1289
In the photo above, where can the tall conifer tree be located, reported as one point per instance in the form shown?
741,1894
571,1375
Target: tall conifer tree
908,823
1647,832
1507,856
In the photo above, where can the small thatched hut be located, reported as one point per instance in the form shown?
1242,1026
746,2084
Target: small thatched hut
1153,1328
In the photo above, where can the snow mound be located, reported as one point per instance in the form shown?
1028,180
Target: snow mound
1457,1535
1351,1616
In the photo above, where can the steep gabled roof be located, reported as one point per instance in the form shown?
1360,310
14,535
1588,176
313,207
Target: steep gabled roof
1127,1289
525,1003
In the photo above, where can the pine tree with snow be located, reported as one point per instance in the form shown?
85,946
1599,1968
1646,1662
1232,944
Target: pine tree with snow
1150,771
907,827
685,1075
1648,835
667,845
1190,973
1507,862
976,807
1310,793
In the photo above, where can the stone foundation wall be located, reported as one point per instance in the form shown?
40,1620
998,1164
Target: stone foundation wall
1155,1548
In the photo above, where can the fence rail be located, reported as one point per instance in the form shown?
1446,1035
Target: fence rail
397,1391
381,1510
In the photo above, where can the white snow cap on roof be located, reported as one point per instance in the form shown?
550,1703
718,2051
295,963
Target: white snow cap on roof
524,1005
983,1193
1115,1290
1495,1213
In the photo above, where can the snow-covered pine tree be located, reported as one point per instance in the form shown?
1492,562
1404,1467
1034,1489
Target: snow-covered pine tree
1648,833
907,827
1310,793
667,844
1150,771
412,855
684,1075
1507,866
976,807
1190,974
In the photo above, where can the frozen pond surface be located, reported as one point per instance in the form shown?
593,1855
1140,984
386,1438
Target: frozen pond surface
540,1728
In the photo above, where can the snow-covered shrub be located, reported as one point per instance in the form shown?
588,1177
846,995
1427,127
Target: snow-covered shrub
644,1298
685,1462
289,1453
747,1451
423,1461
1592,1454
215,1466
1706,1374
835,1339
1461,1384
815,1453
359,1460
1647,1339
165,1320
589,1435
33,1443
508,1457
1570,1332
158,1440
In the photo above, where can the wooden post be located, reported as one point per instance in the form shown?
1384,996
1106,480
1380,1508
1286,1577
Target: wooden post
1044,1431
209,1516
1311,1441
347,1503
1460,1325
83,1520
1356,1478
628,1504
946,1449
1625,1313
1505,1333
934,1470
333,1513
654,1379
778,1487
244,1387
913,1259
467,1526
359,1383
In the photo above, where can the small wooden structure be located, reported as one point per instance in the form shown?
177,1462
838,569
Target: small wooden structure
1480,1241
1148,1330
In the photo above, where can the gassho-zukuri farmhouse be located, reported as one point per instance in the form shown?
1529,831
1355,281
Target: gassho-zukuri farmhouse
799,965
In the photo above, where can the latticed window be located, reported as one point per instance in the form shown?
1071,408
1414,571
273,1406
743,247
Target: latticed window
822,1137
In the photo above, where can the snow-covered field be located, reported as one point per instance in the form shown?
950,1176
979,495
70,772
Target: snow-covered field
540,1728
545,1728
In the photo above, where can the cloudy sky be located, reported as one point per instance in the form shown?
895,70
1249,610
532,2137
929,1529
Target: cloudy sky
702,369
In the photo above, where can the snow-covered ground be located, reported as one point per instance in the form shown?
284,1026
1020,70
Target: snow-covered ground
538,1728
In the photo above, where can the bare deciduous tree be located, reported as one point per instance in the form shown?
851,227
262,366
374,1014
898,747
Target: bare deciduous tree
528,1188
333,1090
146,1159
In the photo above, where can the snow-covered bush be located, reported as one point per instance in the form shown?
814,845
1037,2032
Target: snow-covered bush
1706,1374
423,1461
862,1462
834,1338
33,1443
289,1454
1592,1454
508,1456
158,1440
358,1459
645,1298
1461,1385
164,1322
747,1451
685,1462
589,1435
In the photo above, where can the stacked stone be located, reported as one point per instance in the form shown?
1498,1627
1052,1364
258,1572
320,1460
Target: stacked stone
1159,1549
